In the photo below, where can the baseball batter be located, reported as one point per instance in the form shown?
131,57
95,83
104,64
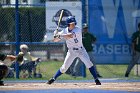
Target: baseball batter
73,36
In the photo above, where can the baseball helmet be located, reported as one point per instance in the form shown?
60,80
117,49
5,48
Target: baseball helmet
71,20
85,25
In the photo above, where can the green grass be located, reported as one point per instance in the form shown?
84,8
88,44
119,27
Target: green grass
48,69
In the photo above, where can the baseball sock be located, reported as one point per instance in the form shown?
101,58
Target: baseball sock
58,73
93,72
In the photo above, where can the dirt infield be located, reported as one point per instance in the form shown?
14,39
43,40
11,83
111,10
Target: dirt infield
122,86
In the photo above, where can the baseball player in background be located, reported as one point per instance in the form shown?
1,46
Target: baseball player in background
3,68
73,36
135,50
28,63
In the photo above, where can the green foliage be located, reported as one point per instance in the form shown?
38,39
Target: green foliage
6,23
31,24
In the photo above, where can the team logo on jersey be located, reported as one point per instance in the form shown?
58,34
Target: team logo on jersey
66,13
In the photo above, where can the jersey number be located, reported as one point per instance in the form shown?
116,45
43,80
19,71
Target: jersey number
75,40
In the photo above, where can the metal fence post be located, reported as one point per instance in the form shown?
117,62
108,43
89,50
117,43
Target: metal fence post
83,21
17,36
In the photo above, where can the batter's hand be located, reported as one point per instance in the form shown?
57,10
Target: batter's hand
55,32
57,38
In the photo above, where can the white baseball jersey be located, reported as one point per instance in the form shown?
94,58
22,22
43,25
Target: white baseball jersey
76,41
75,49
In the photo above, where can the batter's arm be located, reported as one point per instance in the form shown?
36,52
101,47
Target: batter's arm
61,35
67,36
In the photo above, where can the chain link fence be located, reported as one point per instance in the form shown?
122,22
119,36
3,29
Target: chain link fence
32,30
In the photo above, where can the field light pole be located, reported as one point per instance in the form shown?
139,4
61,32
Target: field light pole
17,36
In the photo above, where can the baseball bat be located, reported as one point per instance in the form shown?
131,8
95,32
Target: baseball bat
60,18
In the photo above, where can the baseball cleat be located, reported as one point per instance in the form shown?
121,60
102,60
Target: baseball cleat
97,82
126,75
51,81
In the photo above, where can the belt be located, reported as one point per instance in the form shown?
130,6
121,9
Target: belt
76,48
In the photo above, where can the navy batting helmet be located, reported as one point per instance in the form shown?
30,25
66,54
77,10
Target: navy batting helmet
70,20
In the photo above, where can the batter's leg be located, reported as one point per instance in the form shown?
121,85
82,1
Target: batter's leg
93,72
91,56
67,62
86,60
77,67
